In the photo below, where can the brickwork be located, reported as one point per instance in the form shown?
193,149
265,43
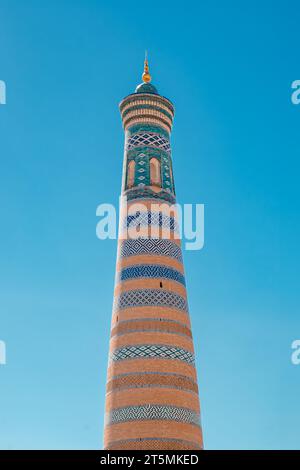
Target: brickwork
152,379
151,325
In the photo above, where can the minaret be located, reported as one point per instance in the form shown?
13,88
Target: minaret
152,394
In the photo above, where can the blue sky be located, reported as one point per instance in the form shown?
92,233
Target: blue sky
228,68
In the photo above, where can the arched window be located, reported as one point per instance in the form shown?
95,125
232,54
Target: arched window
130,174
155,172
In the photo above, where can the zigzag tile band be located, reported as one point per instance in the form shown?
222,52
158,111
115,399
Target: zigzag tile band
155,219
152,351
151,379
153,412
151,271
152,246
150,297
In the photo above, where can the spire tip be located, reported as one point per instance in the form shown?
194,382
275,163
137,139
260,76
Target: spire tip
146,75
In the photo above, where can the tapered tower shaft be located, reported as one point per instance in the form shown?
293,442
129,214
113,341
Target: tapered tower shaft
152,394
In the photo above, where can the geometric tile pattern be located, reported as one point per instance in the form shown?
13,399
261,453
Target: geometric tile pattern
147,128
148,140
152,351
150,297
156,219
152,379
153,412
151,443
154,246
152,271
151,324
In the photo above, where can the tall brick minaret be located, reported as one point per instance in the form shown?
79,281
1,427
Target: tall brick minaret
152,395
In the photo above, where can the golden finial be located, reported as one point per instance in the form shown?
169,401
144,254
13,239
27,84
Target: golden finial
146,75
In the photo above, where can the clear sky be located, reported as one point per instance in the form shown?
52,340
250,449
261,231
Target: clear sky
228,68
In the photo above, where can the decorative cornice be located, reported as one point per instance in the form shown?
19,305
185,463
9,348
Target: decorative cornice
147,97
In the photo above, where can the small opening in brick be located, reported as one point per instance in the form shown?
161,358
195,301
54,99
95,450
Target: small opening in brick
160,284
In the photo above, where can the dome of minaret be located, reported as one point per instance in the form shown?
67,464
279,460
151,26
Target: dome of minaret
146,107
146,88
